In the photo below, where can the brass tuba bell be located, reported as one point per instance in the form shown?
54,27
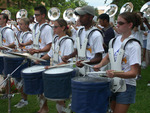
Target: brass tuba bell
53,13
127,7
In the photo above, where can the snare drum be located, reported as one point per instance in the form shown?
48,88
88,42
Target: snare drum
90,95
32,80
11,62
57,83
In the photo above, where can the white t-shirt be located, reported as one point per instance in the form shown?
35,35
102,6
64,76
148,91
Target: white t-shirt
45,36
148,41
8,37
66,47
132,55
24,38
94,45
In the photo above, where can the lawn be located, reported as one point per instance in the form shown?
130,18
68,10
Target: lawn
142,104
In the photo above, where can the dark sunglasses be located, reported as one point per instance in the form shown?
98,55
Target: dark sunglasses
37,14
120,23
55,27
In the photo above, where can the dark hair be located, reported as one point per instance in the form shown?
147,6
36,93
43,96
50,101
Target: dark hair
42,10
5,16
104,16
62,23
141,13
131,17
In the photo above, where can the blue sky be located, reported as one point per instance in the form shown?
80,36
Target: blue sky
97,3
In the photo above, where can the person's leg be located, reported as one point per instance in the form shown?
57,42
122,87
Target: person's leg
121,108
43,104
59,106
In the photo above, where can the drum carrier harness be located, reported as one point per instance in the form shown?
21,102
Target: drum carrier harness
56,50
1,36
36,37
82,49
118,84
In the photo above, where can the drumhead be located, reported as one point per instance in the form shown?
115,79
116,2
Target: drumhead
34,69
58,70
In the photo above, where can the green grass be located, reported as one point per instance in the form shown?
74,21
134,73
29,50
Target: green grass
142,104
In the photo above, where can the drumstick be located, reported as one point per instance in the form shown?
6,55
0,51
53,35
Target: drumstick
87,64
103,73
63,65
7,48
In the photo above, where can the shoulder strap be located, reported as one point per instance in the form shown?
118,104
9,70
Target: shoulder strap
61,41
96,29
80,31
3,30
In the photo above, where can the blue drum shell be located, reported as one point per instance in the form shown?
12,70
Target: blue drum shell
11,63
89,95
2,64
32,83
57,86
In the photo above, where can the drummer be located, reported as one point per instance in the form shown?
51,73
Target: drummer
7,39
131,62
23,36
42,33
93,49
62,45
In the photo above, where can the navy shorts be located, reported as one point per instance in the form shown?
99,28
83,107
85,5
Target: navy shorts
127,97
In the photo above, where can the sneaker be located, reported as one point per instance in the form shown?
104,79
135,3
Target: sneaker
148,83
21,104
4,96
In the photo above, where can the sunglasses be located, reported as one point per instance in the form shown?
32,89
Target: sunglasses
37,14
120,23
55,27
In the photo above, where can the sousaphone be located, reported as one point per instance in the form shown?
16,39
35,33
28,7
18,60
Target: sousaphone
127,7
22,13
68,14
53,13
146,9
8,13
111,10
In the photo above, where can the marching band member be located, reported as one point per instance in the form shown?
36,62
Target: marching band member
6,34
23,36
7,39
62,45
42,33
130,64
89,43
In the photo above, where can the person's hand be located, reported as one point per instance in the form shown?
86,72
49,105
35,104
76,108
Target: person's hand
110,73
79,64
65,58
47,67
96,68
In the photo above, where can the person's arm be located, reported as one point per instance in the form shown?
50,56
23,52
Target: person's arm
129,74
73,54
102,63
26,44
45,49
